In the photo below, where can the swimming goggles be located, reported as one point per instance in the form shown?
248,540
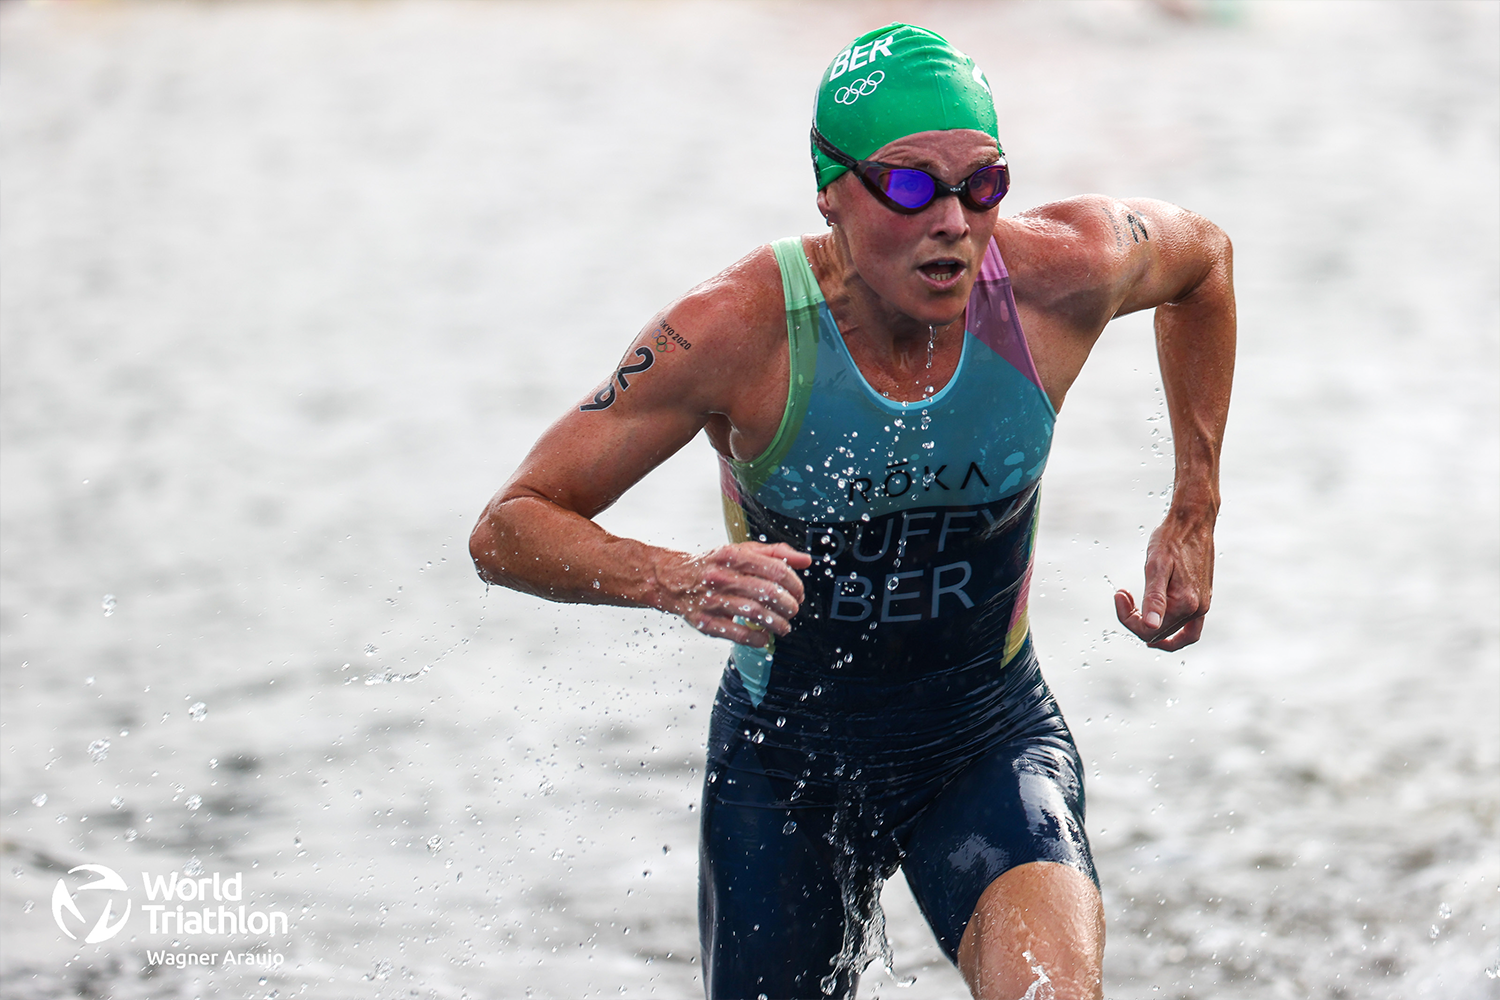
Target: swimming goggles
908,190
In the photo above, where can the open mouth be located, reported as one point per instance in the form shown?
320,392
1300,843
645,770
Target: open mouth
941,270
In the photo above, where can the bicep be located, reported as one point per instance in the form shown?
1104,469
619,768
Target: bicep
687,365
626,426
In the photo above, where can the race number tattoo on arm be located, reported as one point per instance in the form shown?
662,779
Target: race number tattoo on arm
605,398
647,360
667,340
1135,224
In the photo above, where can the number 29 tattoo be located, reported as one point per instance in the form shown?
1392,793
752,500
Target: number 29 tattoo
605,397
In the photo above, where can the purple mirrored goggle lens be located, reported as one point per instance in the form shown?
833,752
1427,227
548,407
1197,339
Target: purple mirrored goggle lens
907,189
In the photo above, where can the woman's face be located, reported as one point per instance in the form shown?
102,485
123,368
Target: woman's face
922,266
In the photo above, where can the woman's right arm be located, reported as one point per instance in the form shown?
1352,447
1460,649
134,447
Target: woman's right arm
537,534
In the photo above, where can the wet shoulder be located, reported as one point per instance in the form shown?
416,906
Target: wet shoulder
1065,258
737,311
1059,247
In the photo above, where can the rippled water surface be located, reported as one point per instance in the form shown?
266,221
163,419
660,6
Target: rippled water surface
287,290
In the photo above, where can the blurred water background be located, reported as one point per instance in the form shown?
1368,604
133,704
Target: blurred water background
289,288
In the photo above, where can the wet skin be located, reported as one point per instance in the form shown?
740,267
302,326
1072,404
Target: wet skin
897,285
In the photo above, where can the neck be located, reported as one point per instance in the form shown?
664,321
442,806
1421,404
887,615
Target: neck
901,357
862,314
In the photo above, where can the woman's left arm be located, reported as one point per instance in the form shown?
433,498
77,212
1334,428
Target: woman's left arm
1191,285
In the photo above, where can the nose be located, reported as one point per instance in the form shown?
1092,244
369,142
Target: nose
947,219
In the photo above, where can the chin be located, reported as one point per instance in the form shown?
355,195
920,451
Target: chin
940,310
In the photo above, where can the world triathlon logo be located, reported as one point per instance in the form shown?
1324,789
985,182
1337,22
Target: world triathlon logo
64,901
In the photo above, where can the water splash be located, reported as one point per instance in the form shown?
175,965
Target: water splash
865,938
392,676
396,677
1034,991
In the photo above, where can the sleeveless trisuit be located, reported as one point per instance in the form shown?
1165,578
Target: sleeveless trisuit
904,720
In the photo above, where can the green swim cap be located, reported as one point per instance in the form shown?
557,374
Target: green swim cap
892,82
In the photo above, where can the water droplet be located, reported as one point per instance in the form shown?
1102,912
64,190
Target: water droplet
118,802
198,711
131,834
108,604
28,907
370,649
193,868
1445,911
759,737
194,803
780,721
40,799
98,750
434,843
791,827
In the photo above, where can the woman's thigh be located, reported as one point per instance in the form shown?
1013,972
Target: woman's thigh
1020,803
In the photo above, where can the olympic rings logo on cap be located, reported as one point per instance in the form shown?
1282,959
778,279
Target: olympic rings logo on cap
859,88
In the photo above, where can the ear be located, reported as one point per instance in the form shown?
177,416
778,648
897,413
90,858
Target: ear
825,206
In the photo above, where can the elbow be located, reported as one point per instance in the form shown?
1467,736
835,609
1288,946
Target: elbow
484,550
1212,278
1224,252
1218,249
